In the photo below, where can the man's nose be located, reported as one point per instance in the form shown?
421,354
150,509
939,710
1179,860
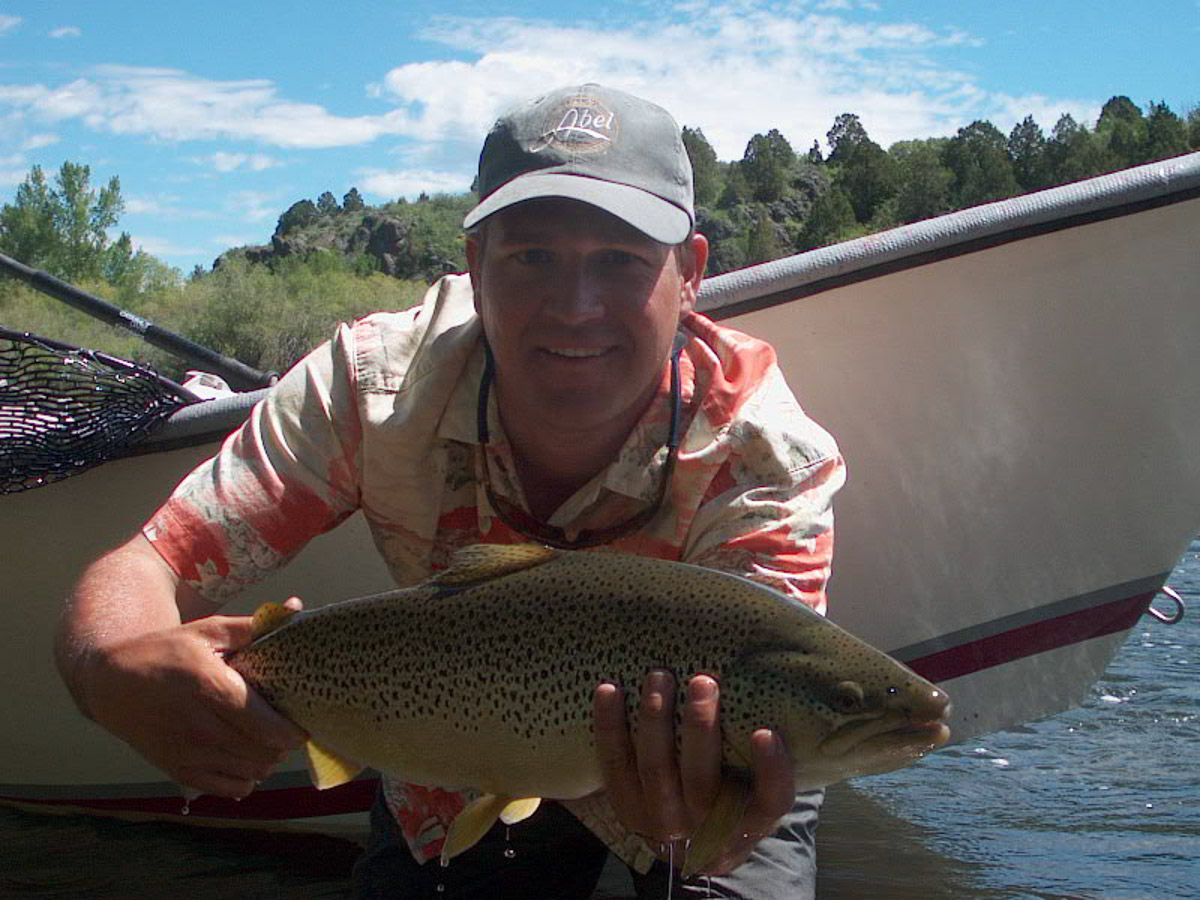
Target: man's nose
578,295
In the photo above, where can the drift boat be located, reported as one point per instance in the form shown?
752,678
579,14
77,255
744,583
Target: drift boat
1013,389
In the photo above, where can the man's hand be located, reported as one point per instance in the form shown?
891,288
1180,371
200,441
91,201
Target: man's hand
664,796
171,696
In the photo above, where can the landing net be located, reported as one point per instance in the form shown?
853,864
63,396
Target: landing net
64,410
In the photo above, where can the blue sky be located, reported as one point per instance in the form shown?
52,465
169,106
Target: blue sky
217,116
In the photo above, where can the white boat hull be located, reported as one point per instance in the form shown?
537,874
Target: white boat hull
1018,412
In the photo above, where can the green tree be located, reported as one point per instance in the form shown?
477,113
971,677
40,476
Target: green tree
846,134
327,204
830,220
1166,133
299,215
978,157
923,181
353,201
1193,121
1027,150
62,228
705,167
767,165
764,241
867,175
1123,129
737,188
1074,153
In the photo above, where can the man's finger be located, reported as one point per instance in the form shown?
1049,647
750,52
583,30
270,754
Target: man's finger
614,752
658,768
774,790
700,753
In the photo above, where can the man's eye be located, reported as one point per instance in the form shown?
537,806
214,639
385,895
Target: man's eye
534,257
619,258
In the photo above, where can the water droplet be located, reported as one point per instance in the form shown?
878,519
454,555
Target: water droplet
441,889
509,853
445,862
187,808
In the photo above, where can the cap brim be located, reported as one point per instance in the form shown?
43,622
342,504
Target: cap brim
658,218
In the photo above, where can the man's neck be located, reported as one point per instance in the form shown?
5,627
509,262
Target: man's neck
554,463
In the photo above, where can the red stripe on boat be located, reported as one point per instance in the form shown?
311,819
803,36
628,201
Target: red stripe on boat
1030,640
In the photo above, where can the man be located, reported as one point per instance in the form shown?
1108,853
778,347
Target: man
564,392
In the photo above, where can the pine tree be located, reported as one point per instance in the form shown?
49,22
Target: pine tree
1166,133
327,204
705,168
353,201
1027,150
767,165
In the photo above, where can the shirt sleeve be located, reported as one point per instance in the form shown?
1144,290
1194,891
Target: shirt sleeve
768,512
287,475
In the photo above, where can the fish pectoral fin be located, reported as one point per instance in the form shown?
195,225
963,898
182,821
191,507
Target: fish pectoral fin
269,617
520,810
470,825
718,827
483,562
326,768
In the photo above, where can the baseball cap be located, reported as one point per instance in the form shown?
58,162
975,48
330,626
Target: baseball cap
595,144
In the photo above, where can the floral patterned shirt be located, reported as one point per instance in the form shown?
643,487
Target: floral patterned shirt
383,418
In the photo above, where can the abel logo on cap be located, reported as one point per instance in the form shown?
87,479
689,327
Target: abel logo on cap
580,125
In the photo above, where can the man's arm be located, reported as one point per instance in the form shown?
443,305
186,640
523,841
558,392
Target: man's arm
138,659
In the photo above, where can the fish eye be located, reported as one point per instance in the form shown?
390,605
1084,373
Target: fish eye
847,697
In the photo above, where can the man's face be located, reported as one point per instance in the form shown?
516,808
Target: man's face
580,309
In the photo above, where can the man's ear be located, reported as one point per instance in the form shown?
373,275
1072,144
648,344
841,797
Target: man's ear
692,261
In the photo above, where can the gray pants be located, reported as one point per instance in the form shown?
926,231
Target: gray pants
551,856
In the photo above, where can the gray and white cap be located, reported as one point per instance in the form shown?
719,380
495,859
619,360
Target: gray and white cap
598,145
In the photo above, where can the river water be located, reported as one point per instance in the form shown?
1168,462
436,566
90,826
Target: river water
1102,801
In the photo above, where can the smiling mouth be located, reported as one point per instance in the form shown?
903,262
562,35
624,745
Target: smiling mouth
576,352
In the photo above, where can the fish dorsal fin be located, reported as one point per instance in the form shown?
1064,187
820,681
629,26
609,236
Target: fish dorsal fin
326,768
483,562
269,617
718,827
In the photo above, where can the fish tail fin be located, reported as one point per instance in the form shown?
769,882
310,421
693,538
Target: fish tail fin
722,821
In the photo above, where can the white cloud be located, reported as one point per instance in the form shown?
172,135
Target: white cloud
38,141
164,247
225,241
67,31
254,206
8,23
173,105
733,69
231,162
411,183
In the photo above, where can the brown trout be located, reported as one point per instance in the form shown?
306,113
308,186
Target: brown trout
483,677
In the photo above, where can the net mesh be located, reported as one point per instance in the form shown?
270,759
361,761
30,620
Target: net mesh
64,410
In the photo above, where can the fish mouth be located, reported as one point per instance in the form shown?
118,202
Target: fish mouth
890,736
